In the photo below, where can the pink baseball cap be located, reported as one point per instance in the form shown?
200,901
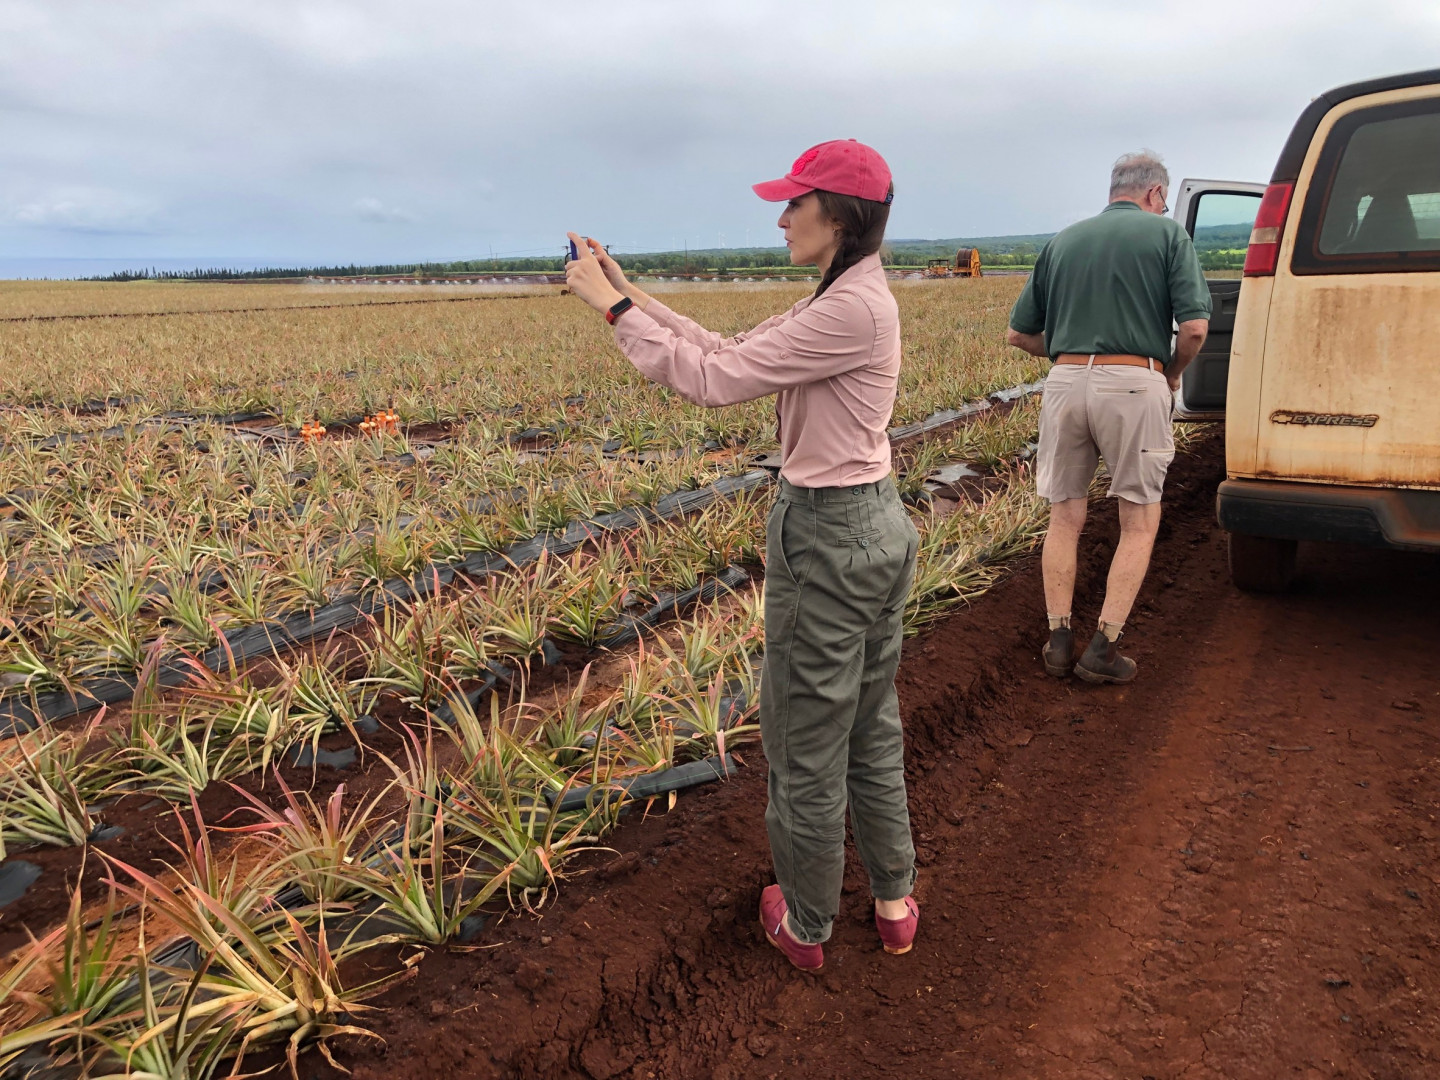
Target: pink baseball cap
843,166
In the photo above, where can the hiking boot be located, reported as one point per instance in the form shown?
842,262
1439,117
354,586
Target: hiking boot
804,956
1059,652
1102,662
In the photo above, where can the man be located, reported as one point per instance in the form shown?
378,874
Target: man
1100,304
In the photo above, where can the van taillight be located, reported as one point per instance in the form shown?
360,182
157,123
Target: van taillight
1264,250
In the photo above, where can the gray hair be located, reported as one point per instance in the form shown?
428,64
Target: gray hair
1136,173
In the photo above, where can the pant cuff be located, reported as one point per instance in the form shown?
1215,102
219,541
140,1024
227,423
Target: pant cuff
809,937
895,888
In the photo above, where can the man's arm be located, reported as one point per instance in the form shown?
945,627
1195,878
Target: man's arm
1034,344
1188,340
1027,317
1190,301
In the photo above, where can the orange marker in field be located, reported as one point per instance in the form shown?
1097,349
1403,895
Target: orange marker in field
383,421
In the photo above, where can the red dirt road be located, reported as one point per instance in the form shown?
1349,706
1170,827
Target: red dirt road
1226,871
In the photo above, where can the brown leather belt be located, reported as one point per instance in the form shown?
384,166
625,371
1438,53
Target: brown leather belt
1126,359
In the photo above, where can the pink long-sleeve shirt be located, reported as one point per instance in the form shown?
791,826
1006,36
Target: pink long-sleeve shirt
833,362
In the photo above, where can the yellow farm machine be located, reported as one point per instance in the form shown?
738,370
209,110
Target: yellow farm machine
966,264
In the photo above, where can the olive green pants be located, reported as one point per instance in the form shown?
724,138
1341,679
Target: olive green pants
839,563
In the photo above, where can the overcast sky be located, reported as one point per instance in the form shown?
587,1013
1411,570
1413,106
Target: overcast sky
329,132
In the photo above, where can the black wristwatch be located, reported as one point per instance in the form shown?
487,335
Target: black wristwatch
619,308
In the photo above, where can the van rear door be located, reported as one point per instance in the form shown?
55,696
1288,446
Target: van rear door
1218,215
1351,369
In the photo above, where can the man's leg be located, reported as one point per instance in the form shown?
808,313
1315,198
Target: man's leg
1064,468
1130,413
1057,561
1138,524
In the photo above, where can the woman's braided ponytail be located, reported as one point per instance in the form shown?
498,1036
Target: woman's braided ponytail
862,230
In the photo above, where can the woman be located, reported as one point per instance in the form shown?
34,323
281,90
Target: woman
840,549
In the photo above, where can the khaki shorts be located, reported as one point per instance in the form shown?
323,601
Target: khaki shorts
1112,411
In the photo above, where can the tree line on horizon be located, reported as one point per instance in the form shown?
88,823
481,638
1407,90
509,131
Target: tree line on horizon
1220,247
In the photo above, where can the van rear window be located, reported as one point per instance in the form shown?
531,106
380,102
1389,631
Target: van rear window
1374,202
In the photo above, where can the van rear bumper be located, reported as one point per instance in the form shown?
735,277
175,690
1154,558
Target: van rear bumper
1381,517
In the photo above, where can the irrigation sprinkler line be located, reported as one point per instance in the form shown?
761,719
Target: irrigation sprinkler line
948,417
628,628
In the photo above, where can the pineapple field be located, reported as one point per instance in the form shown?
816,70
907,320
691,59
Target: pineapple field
331,622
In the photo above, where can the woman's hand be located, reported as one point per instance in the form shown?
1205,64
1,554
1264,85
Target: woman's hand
593,251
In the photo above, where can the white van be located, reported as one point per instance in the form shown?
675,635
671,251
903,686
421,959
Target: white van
1324,358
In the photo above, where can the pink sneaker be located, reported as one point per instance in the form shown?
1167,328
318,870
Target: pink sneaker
772,921
898,935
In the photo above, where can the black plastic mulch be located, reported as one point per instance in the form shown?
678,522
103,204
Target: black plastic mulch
248,643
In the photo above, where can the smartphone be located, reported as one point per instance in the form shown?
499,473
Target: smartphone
573,253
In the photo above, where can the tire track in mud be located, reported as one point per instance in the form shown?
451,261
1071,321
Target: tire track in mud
1223,870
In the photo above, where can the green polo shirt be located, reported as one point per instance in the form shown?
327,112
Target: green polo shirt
1114,283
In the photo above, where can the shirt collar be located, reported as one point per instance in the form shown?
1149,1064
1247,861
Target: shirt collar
1121,204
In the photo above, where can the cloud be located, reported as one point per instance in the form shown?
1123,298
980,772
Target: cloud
87,210
373,210
291,130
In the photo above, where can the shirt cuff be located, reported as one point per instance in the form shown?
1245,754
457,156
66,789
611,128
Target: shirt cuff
633,324
1187,316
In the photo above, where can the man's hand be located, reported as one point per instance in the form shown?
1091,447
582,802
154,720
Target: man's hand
1189,336
587,278
1034,344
